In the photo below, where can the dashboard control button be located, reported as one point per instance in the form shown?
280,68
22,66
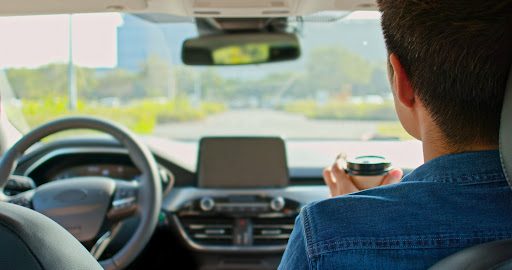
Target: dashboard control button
277,204
18,184
207,204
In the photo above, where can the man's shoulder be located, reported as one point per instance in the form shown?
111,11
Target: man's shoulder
376,197
404,214
362,212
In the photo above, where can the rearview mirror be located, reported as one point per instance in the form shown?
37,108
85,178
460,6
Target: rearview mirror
240,49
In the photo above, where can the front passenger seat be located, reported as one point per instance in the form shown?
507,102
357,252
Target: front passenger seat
29,240
493,255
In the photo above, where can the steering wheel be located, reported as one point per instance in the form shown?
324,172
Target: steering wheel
86,205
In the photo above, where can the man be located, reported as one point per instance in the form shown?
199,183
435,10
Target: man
448,63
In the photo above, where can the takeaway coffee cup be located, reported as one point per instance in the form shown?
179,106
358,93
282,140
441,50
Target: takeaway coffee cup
367,171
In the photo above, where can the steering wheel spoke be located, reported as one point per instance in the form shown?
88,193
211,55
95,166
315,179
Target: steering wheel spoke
23,199
103,242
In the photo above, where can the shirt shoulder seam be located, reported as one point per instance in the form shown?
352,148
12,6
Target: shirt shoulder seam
461,179
307,232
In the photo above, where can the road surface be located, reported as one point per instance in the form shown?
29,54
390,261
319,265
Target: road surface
264,122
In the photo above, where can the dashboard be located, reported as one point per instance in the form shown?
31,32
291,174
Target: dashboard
217,226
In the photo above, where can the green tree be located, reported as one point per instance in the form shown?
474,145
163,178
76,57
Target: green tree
185,78
86,82
212,84
155,76
49,81
380,81
116,83
330,68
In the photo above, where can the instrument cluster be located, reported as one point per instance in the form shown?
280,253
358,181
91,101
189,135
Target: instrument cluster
115,171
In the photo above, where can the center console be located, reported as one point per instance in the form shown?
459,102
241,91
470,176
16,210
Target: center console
239,216
238,222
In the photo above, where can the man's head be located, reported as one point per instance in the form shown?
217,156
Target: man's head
456,56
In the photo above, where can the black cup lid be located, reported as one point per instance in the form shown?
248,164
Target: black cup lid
368,165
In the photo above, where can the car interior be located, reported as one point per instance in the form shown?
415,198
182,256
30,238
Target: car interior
211,125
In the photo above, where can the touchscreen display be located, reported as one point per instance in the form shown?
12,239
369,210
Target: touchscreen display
226,162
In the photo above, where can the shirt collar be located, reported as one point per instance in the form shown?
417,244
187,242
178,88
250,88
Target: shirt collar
461,168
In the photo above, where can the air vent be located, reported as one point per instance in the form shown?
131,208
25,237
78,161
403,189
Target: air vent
272,231
209,230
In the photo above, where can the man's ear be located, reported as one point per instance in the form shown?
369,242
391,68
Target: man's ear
402,87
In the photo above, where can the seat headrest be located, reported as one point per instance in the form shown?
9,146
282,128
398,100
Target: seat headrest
506,132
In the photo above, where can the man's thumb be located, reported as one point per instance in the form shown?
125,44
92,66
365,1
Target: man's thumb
392,177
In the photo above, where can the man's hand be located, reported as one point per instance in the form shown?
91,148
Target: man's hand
340,183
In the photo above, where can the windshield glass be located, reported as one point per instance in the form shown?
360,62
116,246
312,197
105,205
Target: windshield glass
128,68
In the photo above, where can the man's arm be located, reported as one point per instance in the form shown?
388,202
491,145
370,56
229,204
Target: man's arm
295,256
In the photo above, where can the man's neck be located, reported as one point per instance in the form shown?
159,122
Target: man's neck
421,125
436,145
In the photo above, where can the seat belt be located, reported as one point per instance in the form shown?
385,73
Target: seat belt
506,132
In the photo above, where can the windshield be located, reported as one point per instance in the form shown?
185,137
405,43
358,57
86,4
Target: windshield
128,68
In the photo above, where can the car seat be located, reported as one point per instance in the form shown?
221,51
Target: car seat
498,254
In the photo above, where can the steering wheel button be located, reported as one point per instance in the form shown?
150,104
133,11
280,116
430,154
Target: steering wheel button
11,184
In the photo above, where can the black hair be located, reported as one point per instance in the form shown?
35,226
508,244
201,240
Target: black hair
457,56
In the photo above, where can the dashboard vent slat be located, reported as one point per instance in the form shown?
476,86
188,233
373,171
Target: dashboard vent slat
272,231
213,237
209,230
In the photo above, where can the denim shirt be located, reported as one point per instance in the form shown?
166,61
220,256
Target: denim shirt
449,203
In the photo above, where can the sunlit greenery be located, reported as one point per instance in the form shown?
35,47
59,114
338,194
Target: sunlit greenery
140,116
243,54
393,130
344,111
